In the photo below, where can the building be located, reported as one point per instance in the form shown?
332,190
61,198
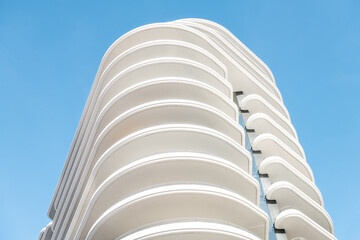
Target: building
185,136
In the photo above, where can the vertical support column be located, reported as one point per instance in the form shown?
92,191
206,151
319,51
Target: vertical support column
269,206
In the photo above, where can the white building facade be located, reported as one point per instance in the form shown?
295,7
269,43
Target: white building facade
185,136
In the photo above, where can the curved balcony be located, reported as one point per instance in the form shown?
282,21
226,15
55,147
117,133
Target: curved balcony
189,201
298,225
257,104
288,196
166,112
269,145
165,88
154,32
262,123
189,230
159,68
280,170
158,49
46,232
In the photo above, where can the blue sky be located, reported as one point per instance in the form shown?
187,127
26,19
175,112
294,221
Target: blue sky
50,52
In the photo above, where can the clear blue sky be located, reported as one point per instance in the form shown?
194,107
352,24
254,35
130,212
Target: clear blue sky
50,52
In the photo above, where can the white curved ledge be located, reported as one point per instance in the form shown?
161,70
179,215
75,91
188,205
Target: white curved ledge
46,232
166,169
166,88
262,123
163,48
297,224
157,31
189,230
256,104
288,196
178,202
237,44
153,68
167,112
163,67
269,145
41,234
280,170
